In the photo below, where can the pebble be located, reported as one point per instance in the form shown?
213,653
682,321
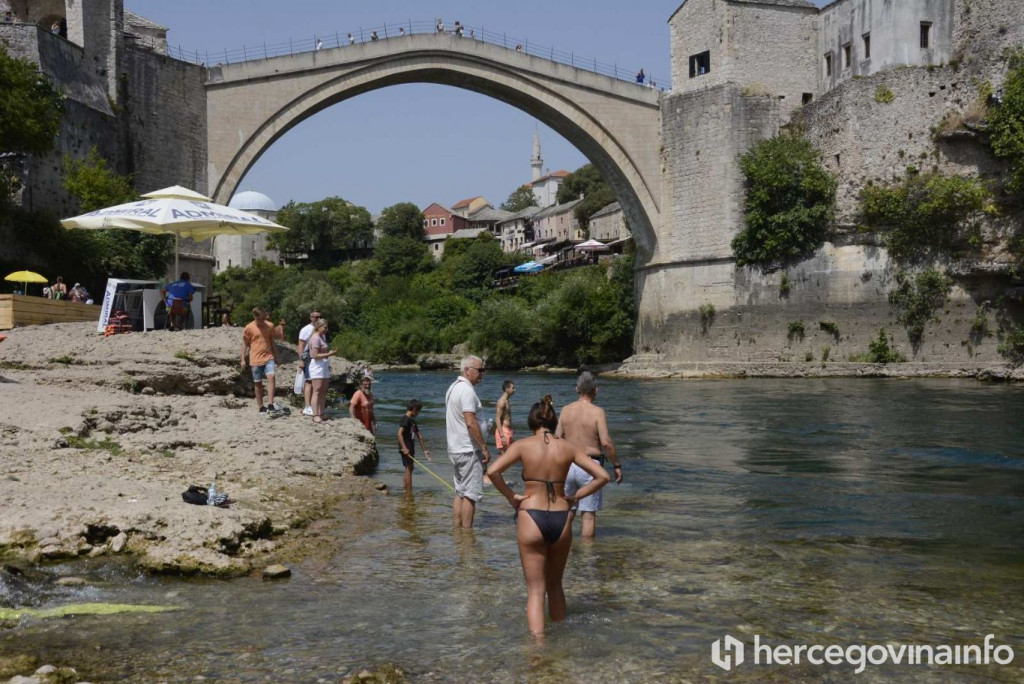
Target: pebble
148,391
118,542
276,572
71,582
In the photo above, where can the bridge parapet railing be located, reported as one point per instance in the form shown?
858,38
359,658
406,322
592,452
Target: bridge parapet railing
339,39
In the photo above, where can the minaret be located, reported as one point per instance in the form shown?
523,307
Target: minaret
536,163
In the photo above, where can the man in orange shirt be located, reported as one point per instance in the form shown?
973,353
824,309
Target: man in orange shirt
361,405
260,353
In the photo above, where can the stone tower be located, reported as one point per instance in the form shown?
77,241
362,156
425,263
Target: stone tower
536,163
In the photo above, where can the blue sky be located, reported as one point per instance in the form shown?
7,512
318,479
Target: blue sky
420,143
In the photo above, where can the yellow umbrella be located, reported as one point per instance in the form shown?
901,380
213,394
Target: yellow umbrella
25,277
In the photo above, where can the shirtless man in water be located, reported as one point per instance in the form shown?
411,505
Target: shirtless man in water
583,423
503,418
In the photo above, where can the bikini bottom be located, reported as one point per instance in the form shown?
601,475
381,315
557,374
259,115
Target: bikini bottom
550,523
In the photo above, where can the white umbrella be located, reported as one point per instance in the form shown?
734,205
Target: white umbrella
175,211
592,246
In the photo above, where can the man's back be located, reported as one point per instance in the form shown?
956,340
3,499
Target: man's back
583,423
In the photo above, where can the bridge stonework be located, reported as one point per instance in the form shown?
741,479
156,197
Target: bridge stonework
616,124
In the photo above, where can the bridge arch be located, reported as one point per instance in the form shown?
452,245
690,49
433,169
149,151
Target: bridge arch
615,124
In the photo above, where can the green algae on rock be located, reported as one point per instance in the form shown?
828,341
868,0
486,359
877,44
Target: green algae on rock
81,609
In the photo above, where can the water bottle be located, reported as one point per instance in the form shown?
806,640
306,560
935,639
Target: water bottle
211,493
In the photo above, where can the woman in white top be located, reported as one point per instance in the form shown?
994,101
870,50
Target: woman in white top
319,368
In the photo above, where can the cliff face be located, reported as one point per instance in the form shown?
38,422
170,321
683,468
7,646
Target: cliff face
848,281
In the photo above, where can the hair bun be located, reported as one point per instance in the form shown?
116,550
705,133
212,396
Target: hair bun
547,400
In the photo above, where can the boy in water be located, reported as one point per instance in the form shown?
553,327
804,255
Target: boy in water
408,431
503,417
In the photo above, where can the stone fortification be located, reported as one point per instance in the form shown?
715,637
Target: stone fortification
696,306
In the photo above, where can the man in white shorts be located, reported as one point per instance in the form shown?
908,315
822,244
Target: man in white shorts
467,445
304,335
584,423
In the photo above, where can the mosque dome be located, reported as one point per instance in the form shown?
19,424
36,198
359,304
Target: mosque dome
252,201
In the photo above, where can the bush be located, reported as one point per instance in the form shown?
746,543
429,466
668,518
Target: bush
796,331
789,205
830,327
915,301
884,95
923,215
1011,345
707,317
880,352
1006,121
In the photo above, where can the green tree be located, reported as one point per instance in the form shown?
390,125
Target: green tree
469,264
789,205
401,255
30,111
521,198
404,218
588,182
125,253
923,215
1006,121
318,228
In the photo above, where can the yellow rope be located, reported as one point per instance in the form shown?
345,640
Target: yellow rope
444,482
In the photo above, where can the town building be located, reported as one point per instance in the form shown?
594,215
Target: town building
794,51
609,224
467,207
241,250
439,223
488,219
557,224
544,185
516,230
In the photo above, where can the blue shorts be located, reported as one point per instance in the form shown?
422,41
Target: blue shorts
260,373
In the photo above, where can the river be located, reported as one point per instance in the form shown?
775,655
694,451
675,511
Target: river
832,511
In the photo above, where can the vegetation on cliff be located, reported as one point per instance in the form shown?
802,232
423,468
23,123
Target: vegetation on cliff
383,313
789,205
587,182
925,214
1006,121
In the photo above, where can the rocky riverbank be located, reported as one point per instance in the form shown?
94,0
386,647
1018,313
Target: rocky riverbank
651,366
100,436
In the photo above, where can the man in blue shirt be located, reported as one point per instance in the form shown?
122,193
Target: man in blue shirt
177,296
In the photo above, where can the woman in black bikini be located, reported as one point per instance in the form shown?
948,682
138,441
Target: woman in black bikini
543,533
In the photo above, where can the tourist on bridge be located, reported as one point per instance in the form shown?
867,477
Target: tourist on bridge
373,36
440,25
351,39
319,44
640,76
585,425
544,534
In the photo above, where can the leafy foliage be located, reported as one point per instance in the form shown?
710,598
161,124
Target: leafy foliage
569,318
125,253
1006,121
402,219
923,215
30,111
795,331
402,255
597,194
789,205
318,228
884,95
916,300
521,198
1011,344
879,350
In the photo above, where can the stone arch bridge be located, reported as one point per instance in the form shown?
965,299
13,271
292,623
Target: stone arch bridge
615,123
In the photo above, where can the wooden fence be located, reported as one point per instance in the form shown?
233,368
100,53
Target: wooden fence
18,310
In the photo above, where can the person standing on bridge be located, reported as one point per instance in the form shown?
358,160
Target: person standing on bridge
373,36
640,76
440,25
351,39
319,44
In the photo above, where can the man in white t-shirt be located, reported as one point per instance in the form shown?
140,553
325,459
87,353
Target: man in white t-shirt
304,335
467,445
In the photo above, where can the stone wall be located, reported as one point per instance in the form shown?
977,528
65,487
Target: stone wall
703,134
696,306
895,30
766,49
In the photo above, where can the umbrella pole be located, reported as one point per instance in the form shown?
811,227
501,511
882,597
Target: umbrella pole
177,237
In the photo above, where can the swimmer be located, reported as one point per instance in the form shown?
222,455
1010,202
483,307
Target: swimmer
584,424
503,418
544,530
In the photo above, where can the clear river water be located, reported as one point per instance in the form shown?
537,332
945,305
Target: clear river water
832,512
